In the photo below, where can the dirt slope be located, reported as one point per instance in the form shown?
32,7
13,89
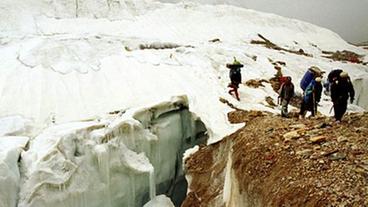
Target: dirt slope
284,162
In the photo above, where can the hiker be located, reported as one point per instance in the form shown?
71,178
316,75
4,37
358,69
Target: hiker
341,90
312,73
286,92
235,77
311,98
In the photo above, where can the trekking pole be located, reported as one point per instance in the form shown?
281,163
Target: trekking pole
314,103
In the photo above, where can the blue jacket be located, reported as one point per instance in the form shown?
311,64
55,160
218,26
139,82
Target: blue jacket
313,92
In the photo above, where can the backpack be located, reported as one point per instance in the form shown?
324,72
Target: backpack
311,73
235,75
286,91
334,74
306,80
282,80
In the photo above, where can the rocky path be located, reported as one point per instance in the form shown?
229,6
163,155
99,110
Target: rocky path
283,162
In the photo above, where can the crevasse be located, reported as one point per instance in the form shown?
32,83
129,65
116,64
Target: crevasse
121,160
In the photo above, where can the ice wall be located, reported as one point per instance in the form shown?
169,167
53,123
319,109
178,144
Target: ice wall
108,162
361,87
10,149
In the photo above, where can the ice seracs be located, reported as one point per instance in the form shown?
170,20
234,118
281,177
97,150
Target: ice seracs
10,150
121,160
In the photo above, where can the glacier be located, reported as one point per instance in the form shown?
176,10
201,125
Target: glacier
121,160
66,59
10,150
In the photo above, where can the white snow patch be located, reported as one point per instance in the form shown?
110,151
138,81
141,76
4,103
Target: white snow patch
14,125
159,201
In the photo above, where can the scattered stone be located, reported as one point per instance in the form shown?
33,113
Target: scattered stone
304,153
256,83
215,40
342,139
322,125
291,135
361,129
337,156
270,102
317,139
313,132
298,126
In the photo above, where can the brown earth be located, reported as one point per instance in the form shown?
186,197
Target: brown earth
285,162
268,44
344,55
256,83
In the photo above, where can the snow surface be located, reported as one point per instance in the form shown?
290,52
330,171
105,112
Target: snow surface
15,125
63,62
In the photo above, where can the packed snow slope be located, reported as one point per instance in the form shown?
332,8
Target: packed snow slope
70,60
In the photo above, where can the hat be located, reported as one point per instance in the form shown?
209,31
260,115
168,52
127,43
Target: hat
316,69
237,63
318,79
344,75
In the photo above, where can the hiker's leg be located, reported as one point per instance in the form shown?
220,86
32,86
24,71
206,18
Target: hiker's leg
231,86
284,108
313,107
338,111
236,94
302,109
343,108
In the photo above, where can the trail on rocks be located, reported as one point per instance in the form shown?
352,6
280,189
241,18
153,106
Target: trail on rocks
283,162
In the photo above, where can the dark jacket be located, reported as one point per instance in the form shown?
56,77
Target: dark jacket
341,89
286,91
235,75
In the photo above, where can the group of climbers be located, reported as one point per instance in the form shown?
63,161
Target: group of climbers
338,86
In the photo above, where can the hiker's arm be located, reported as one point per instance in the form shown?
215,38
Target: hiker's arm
333,92
318,93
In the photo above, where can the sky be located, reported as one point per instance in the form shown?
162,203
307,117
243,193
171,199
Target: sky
348,18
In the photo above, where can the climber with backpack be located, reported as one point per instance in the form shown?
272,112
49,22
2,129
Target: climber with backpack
235,77
341,90
311,98
286,92
312,73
